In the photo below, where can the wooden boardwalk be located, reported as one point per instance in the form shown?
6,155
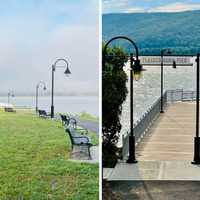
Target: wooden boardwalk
171,137
166,151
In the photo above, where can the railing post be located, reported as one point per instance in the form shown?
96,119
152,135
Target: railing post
182,95
123,146
172,96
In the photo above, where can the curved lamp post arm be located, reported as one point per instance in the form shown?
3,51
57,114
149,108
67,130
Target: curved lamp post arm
41,83
58,60
61,59
116,38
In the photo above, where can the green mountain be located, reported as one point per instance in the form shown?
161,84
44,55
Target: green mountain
153,31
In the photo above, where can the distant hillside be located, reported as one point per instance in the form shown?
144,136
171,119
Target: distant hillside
153,31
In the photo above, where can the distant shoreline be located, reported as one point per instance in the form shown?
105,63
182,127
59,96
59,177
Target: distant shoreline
49,95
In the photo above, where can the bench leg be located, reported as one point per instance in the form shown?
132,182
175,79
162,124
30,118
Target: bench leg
81,151
89,154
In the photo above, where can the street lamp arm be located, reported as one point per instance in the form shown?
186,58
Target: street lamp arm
60,59
41,82
119,37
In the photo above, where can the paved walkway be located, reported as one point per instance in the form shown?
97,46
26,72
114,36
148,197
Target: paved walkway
92,126
154,170
166,151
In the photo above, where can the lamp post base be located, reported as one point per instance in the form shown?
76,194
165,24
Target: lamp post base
131,158
52,111
196,160
161,111
131,161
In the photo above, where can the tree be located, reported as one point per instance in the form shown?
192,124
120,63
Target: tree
114,93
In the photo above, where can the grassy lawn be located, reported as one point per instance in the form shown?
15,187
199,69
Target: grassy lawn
34,162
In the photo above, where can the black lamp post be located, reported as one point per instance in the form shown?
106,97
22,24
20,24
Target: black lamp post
36,98
163,51
197,138
136,66
67,72
10,94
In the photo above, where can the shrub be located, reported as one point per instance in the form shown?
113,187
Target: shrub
114,93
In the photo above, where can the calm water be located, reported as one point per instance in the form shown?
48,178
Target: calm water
147,89
71,104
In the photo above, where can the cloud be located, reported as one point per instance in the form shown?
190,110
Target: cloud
134,10
128,6
175,7
114,5
31,40
120,6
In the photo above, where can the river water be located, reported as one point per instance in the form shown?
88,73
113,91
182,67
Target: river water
70,104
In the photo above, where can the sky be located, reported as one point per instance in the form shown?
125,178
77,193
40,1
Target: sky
35,33
129,6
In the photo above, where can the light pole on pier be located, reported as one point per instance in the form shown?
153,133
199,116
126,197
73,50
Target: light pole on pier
197,138
163,51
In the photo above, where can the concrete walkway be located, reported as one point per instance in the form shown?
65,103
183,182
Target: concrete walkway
166,151
154,170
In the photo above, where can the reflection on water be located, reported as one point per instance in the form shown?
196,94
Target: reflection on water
71,104
147,89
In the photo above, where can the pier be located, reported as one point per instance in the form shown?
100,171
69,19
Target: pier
165,143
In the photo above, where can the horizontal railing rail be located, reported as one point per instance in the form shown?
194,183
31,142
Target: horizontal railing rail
180,95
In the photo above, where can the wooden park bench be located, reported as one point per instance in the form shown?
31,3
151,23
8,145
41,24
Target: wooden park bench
9,109
43,114
77,139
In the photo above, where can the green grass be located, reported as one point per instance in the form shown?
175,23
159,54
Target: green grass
88,117
34,162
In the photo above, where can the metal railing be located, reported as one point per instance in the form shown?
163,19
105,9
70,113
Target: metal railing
180,95
143,125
